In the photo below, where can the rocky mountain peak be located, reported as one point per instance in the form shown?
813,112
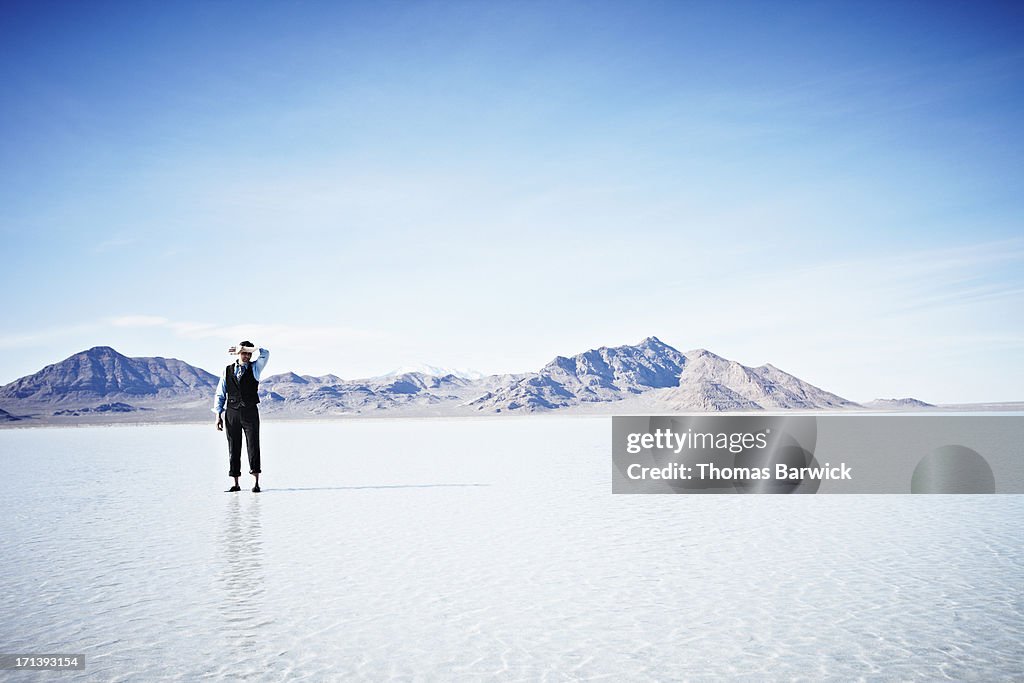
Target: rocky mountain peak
100,352
102,372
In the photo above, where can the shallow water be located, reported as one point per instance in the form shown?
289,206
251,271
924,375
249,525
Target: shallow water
467,549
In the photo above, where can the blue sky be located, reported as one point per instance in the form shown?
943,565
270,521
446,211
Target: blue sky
835,188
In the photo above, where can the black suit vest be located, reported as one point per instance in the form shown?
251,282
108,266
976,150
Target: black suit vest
242,391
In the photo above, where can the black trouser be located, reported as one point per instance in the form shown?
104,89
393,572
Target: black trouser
236,421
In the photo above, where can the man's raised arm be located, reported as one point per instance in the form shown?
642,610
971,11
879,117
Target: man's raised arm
260,363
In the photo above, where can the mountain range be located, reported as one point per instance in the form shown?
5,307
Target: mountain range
102,385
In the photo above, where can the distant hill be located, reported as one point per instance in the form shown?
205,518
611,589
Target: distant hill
897,403
329,394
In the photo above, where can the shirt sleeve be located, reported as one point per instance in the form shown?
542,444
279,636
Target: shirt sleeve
260,363
218,401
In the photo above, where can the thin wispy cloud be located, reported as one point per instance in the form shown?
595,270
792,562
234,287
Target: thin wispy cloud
138,321
115,244
49,335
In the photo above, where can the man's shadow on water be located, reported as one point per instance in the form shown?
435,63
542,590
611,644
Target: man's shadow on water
353,488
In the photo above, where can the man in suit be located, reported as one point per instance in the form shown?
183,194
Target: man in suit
236,408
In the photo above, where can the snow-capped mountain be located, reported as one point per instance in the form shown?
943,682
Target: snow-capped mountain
433,370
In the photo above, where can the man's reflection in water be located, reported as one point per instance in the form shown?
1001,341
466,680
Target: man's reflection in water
241,574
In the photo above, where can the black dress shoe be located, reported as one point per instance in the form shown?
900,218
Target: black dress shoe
234,488
256,489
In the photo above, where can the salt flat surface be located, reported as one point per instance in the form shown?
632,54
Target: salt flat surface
479,549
